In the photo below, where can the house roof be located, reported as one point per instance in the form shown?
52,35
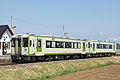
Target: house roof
3,28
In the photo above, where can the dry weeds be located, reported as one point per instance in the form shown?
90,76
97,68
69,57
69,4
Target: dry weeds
52,69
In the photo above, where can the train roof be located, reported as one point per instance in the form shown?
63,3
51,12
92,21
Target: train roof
45,36
50,36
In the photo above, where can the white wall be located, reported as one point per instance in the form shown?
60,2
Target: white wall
6,37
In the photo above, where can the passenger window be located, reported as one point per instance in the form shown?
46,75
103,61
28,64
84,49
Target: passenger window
104,46
79,45
53,44
48,44
99,46
75,45
39,43
25,42
110,46
59,44
68,45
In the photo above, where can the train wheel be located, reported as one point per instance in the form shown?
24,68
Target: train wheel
109,55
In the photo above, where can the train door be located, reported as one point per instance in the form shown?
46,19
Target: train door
32,46
113,47
93,46
84,47
39,45
16,46
19,46
89,47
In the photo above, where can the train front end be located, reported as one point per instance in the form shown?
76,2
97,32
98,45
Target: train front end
19,47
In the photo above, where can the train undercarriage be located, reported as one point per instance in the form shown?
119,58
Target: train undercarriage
23,58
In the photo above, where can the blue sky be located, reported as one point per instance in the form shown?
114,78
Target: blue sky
84,19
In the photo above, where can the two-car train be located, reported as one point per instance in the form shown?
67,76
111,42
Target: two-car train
27,47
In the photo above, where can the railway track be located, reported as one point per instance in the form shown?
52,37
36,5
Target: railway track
8,64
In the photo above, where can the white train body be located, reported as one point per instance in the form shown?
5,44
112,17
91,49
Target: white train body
26,45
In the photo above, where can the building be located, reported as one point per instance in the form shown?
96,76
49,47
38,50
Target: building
5,40
118,46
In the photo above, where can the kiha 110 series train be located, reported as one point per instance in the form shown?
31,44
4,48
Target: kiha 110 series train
27,47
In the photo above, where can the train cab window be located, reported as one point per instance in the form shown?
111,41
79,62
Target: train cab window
19,42
68,45
48,44
13,42
39,43
25,42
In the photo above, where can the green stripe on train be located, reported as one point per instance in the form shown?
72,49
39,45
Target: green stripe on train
28,45
103,52
46,54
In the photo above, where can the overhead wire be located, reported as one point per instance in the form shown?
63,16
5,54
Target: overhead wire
24,21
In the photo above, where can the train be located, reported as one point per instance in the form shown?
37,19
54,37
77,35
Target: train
30,47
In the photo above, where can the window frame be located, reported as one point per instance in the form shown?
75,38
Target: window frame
68,44
25,42
50,46
39,41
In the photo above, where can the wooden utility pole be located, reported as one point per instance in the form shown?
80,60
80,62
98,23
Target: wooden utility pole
12,23
64,31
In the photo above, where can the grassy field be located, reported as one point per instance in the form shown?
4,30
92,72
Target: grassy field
52,69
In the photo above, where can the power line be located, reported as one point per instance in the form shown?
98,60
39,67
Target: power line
24,21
